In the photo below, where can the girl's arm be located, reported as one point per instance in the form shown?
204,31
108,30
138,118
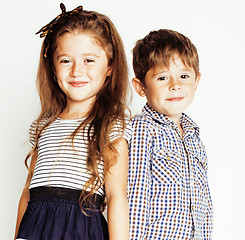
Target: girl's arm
116,193
25,196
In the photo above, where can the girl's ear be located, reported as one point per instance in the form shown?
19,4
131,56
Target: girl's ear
109,72
53,68
138,86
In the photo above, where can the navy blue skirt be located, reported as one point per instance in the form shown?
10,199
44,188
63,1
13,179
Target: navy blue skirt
55,214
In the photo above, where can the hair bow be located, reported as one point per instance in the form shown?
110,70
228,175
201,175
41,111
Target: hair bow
48,28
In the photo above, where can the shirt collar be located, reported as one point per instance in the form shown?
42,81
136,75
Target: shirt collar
187,124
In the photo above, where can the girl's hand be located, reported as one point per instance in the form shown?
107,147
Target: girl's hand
25,196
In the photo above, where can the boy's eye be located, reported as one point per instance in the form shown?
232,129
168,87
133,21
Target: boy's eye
162,78
184,76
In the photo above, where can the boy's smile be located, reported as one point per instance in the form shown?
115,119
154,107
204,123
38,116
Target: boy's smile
175,99
169,90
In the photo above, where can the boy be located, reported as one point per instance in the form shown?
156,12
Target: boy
167,189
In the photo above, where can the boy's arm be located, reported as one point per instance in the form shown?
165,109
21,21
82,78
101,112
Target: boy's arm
116,193
25,196
208,220
139,180
208,224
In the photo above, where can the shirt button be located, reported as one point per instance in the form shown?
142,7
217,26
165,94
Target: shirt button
192,207
192,183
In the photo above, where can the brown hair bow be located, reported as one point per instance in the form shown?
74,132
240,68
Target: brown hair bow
48,28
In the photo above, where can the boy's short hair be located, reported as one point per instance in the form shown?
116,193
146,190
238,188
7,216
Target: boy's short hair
157,48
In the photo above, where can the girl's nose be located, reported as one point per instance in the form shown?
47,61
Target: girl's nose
77,70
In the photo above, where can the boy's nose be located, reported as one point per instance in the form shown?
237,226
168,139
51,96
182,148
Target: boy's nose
175,85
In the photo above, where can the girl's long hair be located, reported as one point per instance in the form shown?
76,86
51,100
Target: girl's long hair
110,103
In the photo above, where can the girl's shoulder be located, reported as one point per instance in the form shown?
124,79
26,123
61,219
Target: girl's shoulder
119,129
34,127
35,124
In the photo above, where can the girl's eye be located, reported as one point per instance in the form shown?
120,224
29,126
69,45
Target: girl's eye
89,60
64,61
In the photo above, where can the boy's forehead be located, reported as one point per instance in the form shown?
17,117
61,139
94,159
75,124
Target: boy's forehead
164,66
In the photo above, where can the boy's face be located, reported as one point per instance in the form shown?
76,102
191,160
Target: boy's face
169,90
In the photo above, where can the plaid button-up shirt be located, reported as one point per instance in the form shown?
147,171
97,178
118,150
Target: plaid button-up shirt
168,190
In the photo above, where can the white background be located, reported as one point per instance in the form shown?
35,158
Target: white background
216,27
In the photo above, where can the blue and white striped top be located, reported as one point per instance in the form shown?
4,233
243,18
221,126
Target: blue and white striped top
60,163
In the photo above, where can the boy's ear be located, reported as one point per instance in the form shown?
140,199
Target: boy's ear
197,80
138,87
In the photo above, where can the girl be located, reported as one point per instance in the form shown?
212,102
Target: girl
79,150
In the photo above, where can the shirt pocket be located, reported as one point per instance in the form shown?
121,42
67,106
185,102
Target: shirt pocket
166,167
201,166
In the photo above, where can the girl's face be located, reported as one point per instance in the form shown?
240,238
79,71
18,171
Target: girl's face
81,67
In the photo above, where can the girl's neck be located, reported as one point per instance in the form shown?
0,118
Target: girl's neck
74,111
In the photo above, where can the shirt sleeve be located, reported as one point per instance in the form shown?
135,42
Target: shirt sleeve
139,179
208,220
208,223
32,133
32,130
118,132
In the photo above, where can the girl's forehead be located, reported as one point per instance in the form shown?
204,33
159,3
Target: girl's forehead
76,34
78,45
84,37
79,38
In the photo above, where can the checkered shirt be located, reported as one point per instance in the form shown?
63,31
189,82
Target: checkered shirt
168,190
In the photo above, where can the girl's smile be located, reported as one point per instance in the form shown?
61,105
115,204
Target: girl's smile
77,83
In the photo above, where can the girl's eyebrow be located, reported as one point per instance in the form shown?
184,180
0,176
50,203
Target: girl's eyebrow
83,55
90,54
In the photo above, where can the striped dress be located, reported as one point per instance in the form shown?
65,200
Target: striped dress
60,175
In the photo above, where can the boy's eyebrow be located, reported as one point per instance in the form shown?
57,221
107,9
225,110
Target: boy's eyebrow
161,71
186,68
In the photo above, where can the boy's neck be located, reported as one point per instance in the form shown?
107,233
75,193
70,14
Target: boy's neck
180,129
176,120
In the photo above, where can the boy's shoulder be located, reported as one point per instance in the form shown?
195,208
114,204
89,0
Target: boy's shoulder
145,125
149,118
143,120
